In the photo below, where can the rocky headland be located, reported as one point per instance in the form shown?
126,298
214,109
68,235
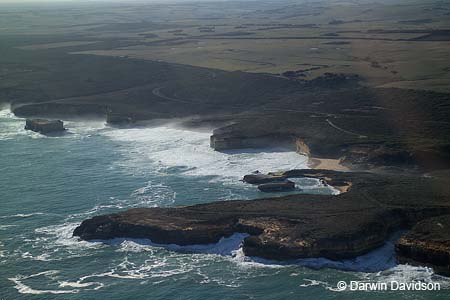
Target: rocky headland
320,138
295,226
428,243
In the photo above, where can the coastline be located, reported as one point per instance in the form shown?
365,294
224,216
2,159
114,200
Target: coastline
361,213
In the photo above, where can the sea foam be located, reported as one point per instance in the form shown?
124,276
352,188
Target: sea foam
76,286
13,127
189,151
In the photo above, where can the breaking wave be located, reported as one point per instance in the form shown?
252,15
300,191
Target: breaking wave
188,152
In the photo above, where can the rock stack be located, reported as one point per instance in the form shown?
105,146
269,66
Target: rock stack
44,126
428,243
270,182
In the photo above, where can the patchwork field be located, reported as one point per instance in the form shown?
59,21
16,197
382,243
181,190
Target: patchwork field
390,43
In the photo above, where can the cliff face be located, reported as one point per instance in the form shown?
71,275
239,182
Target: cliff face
224,142
161,225
44,126
360,142
290,227
427,243
276,236
356,154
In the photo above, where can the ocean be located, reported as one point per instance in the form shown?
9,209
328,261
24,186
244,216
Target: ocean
48,185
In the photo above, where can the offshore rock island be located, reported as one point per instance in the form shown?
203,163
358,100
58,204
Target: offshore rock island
44,126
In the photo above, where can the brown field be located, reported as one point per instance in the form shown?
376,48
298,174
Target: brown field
380,62
56,45
399,43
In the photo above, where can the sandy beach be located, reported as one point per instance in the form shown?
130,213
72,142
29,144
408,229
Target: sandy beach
327,164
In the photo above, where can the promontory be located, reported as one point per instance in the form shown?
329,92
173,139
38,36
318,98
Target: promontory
294,226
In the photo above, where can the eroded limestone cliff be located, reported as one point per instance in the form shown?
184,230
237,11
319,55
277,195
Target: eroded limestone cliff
295,226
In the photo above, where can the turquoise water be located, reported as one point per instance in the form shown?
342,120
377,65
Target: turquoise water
50,184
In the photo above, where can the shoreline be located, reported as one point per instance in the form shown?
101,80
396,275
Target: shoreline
326,164
361,213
